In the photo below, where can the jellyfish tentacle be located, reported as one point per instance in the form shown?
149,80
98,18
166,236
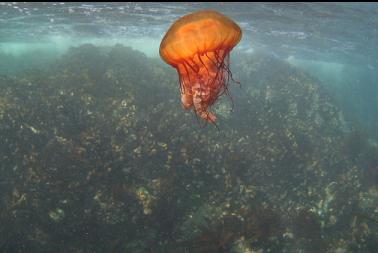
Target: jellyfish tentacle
203,64
187,73
181,81
195,70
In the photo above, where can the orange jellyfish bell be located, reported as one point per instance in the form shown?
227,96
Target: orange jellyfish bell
198,45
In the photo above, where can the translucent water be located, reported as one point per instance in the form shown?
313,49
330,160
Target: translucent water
98,155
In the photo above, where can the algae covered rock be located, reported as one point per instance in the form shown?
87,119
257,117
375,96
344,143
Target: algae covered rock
98,154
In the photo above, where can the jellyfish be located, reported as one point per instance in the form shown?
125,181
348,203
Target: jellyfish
198,45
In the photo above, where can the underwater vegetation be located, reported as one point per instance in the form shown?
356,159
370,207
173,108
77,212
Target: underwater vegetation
97,155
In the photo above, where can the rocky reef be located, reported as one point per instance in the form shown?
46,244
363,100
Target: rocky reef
97,155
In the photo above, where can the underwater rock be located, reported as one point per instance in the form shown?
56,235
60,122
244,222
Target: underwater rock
97,150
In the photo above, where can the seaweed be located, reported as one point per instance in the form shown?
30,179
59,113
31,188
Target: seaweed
98,156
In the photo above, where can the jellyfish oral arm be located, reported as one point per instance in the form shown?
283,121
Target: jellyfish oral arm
201,95
187,100
197,98
200,85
